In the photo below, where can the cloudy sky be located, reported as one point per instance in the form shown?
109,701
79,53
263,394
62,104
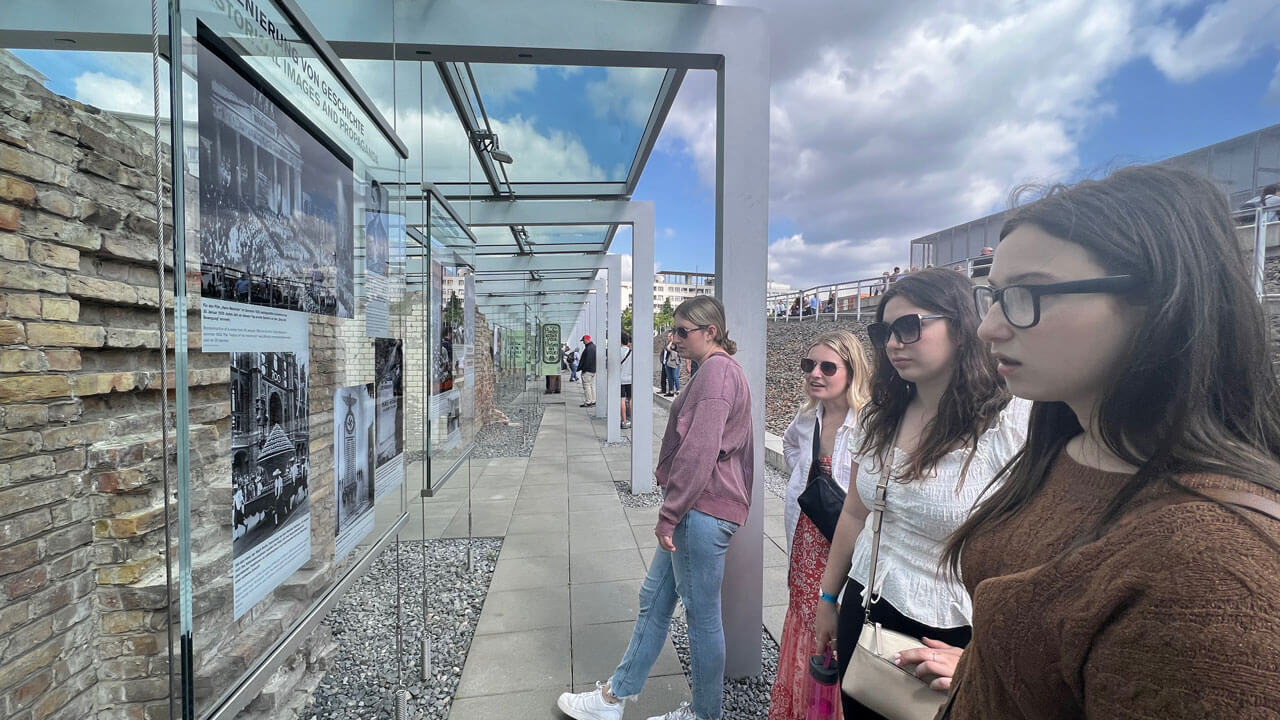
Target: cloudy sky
888,121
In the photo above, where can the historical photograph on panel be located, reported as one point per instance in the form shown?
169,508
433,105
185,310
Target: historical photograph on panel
388,370
376,256
353,411
270,471
275,223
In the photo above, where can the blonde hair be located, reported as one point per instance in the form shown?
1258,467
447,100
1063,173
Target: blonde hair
706,311
854,354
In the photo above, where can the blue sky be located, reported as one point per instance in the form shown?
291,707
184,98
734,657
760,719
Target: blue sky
887,122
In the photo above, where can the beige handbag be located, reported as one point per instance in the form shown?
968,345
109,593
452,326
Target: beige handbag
872,679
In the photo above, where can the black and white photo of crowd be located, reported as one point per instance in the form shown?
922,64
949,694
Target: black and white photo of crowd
388,370
353,453
270,433
276,210
377,230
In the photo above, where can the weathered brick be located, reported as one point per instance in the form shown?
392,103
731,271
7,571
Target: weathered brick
19,557
116,454
41,656
109,146
25,305
102,166
51,227
109,291
13,247
56,202
19,498
68,538
57,335
100,214
133,247
27,692
103,383
15,615
62,359
34,387
130,524
29,277
60,438
40,466
17,444
10,217
27,165
24,583
57,122
68,460
127,573
26,525
69,563
20,416
18,192
60,309
16,361
124,338
11,333
59,256
66,411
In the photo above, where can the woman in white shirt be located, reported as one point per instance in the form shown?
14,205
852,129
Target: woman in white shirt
940,423
835,385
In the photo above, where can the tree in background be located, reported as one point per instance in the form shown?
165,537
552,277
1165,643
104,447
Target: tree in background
666,318
626,320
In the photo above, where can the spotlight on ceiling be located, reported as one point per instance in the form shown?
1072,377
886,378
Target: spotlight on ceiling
501,156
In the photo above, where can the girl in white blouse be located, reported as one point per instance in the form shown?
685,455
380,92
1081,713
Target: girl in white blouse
941,424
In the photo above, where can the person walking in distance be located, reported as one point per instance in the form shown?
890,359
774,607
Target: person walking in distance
671,366
662,367
587,370
625,371
706,468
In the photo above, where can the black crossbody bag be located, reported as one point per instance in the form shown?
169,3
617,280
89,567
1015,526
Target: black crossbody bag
823,498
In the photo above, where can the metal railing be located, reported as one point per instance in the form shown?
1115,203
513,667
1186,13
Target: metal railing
848,298
1265,225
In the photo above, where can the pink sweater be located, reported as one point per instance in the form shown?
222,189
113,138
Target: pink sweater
708,451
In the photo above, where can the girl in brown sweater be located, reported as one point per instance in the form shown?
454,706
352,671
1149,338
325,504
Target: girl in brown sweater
1111,575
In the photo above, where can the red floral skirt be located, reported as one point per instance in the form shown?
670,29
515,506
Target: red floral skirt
808,560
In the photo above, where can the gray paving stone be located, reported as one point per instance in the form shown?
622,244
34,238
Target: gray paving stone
539,544
605,565
525,609
550,504
545,479
594,502
594,487
538,522
515,661
528,705
531,572
606,518
557,490
774,617
604,602
597,538
597,650
487,525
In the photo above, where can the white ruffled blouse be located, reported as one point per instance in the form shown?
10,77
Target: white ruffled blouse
920,515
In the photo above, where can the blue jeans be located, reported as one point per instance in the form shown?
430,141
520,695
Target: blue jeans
693,574
573,371
673,378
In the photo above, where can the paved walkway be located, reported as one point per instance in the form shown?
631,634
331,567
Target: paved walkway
564,596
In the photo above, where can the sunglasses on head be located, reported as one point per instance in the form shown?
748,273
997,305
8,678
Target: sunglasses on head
906,329
828,368
684,332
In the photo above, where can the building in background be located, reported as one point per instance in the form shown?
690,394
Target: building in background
680,285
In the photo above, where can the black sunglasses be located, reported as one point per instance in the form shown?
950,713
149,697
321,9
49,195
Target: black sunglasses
1021,303
684,332
828,368
906,329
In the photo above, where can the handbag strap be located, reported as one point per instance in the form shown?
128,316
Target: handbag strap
877,519
817,444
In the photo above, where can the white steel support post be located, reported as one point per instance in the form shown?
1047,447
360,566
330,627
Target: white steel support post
642,341
613,327
742,218
598,336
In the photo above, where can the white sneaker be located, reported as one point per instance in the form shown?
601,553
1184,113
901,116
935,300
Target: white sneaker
590,705
684,712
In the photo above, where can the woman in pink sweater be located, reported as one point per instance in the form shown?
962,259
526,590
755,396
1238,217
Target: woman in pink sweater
705,466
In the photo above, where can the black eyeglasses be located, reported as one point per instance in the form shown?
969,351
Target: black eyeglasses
684,332
1021,303
828,368
905,328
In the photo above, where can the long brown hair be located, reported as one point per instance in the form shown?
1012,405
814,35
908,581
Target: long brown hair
975,394
1196,392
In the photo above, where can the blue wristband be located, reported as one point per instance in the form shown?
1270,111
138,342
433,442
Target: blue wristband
827,597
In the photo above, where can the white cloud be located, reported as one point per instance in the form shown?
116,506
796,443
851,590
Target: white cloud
625,94
113,93
668,232
890,121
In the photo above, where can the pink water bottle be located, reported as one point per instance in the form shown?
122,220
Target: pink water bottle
824,688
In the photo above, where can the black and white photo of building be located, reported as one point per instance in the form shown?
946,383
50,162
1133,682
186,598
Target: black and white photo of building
270,467
275,221
353,453
388,370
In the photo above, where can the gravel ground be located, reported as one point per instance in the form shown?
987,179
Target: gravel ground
362,681
514,440
788,341
775,482
743,699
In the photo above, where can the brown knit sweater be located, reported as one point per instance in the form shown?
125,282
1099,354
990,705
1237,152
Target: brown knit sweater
1174,613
